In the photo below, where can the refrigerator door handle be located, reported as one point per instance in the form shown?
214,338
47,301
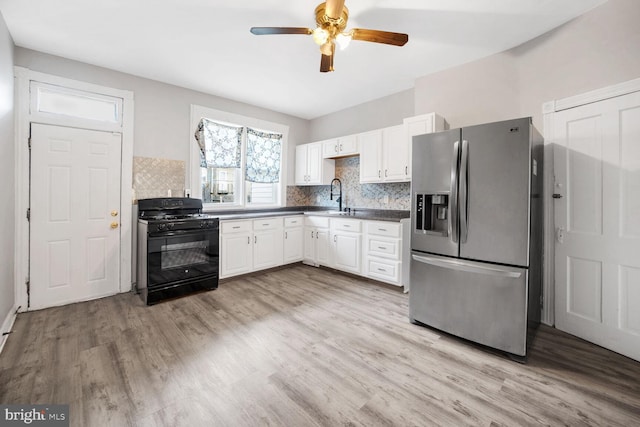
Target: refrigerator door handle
453,195
468,266
464,192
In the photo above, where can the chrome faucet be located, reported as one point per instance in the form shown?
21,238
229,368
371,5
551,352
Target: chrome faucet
339,199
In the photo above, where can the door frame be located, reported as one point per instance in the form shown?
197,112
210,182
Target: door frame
548,112
23,119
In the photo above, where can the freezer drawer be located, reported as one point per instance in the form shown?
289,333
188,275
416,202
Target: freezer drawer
484,303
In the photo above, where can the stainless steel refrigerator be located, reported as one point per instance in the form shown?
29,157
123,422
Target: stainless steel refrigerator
476,240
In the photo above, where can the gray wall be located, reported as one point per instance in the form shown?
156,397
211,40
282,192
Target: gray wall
379,113
162,111
7,172
597,49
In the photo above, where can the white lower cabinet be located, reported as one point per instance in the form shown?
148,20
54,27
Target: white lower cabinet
250,245
267,243
383,251
346,245
236,249
293,239
316,241
368,248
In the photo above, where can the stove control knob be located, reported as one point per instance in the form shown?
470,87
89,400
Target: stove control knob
170,226
162,227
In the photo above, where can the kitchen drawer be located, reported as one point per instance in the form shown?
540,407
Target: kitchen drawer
316,221
383,228
387,271
385,248
352,225
295,221
235,226
267,224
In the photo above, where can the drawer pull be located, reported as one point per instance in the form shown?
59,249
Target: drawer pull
382,229
382,269
235,227
294,222
346,226
382,247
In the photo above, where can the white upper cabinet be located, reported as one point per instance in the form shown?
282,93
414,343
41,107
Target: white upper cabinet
370,156
340,147
395,154
311,168
384,155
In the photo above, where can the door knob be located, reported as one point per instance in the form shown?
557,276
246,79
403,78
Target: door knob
114,224
114,213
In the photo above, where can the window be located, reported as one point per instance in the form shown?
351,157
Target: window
239,163
55,100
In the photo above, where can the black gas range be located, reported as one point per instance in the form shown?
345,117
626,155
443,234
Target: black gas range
177,248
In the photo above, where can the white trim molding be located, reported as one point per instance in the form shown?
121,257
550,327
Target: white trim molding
548,110
23,119
7,325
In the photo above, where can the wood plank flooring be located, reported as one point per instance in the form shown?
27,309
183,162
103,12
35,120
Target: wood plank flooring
300,347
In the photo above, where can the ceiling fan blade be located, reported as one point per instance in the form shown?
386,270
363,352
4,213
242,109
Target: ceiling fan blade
333,8
326,61
376,36
261,31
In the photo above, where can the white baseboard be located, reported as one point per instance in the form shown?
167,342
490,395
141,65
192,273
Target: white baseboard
7,325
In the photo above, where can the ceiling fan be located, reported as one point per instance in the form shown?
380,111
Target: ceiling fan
331,20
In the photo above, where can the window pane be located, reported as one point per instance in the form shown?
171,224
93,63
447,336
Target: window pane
220,185
77,104
262,194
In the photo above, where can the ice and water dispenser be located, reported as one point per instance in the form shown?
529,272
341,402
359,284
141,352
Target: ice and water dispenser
432,214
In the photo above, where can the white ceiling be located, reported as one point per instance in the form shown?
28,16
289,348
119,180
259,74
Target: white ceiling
206,45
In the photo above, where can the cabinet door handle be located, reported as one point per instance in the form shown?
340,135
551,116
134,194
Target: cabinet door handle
312,234
255,239
335,237
336,148
385,173
379,174
285,235
248,240
341,147
316,234
406,170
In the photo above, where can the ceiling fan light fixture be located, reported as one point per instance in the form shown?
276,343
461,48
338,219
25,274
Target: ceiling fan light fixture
320,36
343,40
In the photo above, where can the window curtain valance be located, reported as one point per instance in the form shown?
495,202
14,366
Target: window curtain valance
220,145
263,156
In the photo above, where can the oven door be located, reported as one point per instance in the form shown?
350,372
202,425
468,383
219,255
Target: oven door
181,256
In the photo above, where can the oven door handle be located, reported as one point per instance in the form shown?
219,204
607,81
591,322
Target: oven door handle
176,233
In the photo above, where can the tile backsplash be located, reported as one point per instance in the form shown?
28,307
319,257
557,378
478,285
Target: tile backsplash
153,177
355,195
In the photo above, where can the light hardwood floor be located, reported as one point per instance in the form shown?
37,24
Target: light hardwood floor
300,347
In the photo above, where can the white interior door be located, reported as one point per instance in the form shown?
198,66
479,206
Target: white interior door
75,214
597,220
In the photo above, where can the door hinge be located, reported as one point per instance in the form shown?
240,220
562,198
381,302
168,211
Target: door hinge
28,214
29,142
541,301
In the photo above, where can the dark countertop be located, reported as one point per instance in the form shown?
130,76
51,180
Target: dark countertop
368,214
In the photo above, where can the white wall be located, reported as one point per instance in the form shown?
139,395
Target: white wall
7,171
597,49
161,110
379,113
